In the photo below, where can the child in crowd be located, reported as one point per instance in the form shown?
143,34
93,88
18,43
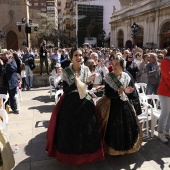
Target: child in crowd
23,75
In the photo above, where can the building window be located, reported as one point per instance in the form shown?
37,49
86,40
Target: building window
59,11
50,3
50,8
43,4
59,4
35,4
43,9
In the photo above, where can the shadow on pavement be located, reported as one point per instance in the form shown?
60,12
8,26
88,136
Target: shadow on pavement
43,108
153,155
45,99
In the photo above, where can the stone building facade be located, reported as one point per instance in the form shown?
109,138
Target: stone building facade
12,11
153,18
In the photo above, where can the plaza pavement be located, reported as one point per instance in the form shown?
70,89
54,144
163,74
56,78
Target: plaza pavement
28,130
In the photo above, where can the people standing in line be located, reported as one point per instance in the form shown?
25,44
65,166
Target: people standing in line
55,58
120,126
164,96
29,74
8,69
23,76
153,72
73,134
43,57
65,60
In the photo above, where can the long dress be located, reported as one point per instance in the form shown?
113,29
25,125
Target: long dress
73,134
120,126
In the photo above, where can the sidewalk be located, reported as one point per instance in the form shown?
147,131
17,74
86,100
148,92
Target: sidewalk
28,130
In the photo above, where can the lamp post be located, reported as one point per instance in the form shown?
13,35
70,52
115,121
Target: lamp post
2,37
134,28
27,28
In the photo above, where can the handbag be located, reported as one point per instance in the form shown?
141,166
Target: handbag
31,64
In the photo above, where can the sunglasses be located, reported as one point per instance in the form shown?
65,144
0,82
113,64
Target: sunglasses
94,65
130,57
160,58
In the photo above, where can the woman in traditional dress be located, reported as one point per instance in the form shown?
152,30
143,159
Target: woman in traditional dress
120,126
73,134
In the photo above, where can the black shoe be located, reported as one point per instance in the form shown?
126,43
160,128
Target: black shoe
40,74
15,111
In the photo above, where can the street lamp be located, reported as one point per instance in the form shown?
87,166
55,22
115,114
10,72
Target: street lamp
134,28
2,36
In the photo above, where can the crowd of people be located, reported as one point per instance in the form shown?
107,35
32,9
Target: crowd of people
81,131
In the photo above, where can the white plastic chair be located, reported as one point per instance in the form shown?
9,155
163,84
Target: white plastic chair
58,94
4,99
142,86
18,98
153,110
142,94
51,87
143,117
5,119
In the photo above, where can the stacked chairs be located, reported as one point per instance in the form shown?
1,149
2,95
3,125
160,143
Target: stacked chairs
141,89
154,110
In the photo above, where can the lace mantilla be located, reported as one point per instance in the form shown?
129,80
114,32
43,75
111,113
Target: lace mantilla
84,73
124,78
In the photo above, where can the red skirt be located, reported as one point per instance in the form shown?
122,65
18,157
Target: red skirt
52,150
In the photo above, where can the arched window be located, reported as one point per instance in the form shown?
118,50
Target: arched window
139,37
165,35
165,28
120,39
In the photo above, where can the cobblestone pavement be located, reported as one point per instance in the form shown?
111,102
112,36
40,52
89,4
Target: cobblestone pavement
28,130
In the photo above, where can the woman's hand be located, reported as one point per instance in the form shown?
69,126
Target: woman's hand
121,90
129,89
91,78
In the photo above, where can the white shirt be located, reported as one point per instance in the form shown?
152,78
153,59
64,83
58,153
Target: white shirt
98,79
23,73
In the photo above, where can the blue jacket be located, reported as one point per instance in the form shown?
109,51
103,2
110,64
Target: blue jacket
29,56
10,74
